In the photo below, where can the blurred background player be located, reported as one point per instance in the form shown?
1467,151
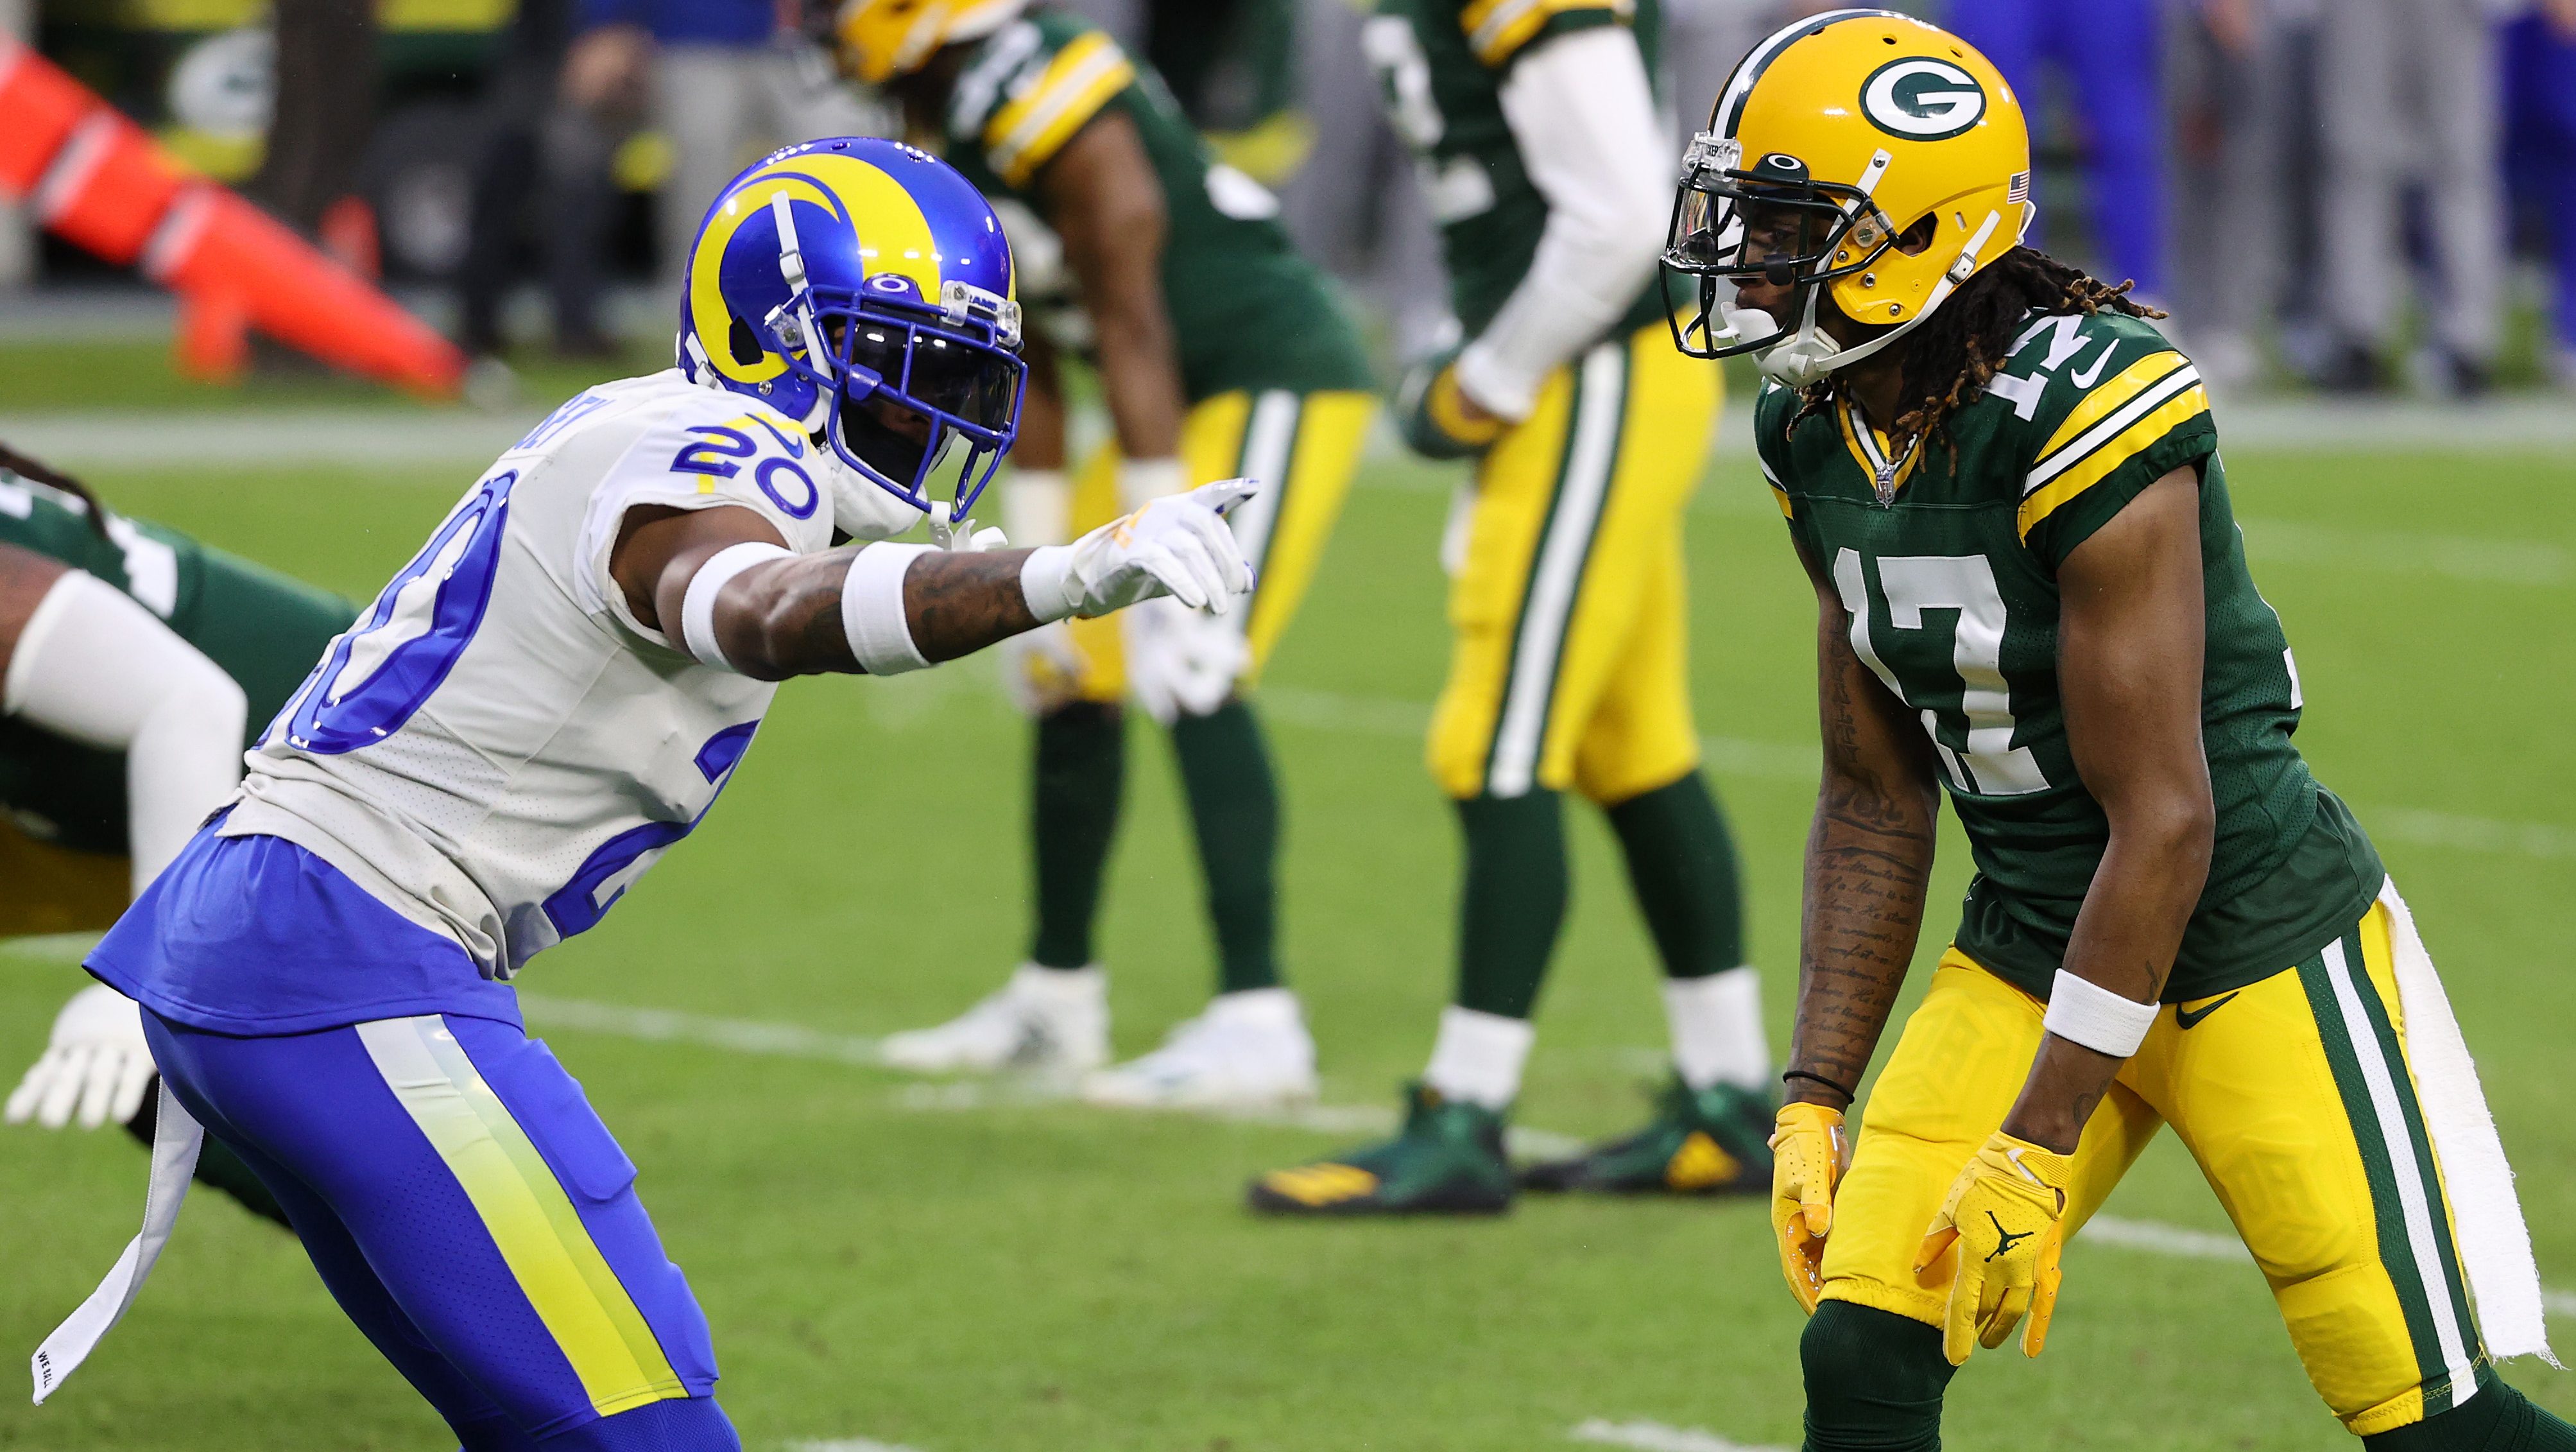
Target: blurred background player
138,665
1546,165
1221,353
2104,55
546,699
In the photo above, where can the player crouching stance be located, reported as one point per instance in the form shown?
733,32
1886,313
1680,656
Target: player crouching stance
2032,593
547,698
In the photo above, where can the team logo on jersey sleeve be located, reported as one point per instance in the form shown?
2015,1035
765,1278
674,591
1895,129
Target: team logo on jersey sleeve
1922,99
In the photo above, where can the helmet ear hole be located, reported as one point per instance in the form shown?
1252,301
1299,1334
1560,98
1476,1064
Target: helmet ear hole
1912,241
745,348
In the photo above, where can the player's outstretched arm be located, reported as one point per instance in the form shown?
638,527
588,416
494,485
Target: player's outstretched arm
2130,640
739,598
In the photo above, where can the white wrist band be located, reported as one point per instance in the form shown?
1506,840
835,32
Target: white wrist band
1046,582
2082,1011
698,606
1142,481
872,610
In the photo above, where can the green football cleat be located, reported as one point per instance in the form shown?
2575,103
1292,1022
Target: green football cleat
1712,1142
1447,1160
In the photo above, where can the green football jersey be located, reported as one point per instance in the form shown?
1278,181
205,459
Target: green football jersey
1248,312
1947,561
1440,67
265,630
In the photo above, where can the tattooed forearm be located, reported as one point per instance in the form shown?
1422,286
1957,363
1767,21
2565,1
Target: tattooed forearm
789,620
1869,859
961,603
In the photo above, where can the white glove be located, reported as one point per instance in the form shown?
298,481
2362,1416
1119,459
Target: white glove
1042,668
1182,662
96,1058
1177,546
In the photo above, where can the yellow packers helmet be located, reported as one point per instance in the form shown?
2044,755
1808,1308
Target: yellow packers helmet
1835,139
880,39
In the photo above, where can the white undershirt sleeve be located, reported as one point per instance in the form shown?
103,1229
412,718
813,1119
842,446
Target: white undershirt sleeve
99,669
1583,113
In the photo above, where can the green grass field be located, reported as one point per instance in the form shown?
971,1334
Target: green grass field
962,1272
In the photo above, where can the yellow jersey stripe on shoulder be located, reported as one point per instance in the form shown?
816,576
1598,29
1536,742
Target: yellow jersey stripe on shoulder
1030,127
2176,410
532,1222
2101,401
1497,29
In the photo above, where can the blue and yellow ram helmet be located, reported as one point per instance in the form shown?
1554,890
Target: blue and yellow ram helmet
865,288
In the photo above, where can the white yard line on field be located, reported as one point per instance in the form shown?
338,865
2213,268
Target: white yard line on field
265,438
1780,761
1656,1437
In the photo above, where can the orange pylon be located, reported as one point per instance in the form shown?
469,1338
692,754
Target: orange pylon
94,178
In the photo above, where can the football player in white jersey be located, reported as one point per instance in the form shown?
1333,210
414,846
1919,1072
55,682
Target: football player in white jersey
547,698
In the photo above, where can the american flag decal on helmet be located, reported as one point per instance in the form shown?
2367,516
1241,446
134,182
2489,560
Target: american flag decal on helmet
2020,190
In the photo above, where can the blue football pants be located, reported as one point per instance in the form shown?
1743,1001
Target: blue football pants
2108,50
472,1215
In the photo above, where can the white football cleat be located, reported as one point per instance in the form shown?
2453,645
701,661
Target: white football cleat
1043,1018
1249,1050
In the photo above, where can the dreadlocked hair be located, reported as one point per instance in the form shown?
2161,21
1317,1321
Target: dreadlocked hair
11,461
1954,354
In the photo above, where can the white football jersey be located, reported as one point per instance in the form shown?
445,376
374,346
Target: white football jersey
497,748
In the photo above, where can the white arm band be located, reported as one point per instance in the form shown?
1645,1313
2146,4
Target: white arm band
99,669
698,606
872,609
1047,583
2082,1011
1583,114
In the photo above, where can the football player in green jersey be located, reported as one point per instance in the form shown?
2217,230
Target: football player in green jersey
1222,354
2005,486
1534,127
138,663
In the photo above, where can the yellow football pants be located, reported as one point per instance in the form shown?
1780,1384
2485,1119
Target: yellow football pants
49,889
1303,447
1571,663
2295,1096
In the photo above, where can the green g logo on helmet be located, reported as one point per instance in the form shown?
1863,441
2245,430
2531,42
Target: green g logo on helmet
1922,99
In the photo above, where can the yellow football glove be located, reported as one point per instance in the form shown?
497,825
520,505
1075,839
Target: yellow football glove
2002,1219
1806,1161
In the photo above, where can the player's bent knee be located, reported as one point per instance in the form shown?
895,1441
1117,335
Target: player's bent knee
675,1424
1874,1380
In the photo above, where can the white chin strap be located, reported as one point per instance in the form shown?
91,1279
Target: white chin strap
1810,355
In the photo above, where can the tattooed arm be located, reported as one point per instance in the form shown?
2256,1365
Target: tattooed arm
783,618
1869,858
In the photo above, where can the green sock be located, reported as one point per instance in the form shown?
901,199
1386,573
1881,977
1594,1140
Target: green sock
1681,863
1234,805
1874,1380
1513,902
2497,1419
1073,813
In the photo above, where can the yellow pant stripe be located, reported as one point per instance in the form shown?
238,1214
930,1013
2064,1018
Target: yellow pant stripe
1564,547
531,1220
1313,483
1304,447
